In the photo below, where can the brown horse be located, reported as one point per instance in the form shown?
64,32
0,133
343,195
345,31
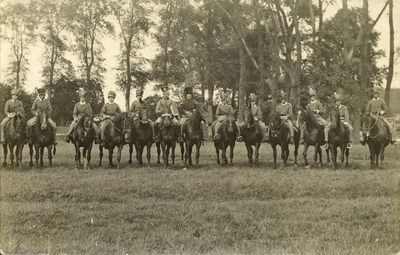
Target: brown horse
167,136
313,135
142,136
251,134
83,135
376,136
338,137
42,137
280,135
15,134
193,133
227,139
117,132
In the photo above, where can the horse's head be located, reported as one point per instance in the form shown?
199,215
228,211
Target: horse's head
19,124
127,123
248,117
366,122
231,124
144,115
335,119
42,119
87,122
203,113
301,116
275,123
166,119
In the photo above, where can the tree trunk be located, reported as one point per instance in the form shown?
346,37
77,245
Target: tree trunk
320,22
128,76
312,17
391,55
346,29
209,84
261,83
242,81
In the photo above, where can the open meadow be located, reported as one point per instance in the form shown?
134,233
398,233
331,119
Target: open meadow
212,209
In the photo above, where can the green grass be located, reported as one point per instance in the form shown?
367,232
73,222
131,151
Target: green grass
212,209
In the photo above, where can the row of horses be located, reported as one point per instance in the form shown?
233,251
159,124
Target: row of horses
124,130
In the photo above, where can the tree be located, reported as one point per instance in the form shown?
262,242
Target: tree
64,99
20,21
132,17
391,54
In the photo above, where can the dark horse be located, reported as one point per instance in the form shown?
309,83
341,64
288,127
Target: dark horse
313,135
142,136
42,137
83,135
338,136
227,138
117,132
251,134
167,136
376,136
15,134
280,135
193,133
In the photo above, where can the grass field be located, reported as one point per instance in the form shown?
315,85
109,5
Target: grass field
212,209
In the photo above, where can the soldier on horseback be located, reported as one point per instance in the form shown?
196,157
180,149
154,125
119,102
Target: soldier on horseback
139,105
187,107
223,111
107,113
166,106
12,107
316,107
41,104
377,107
80,109
285,111
344,117
257,114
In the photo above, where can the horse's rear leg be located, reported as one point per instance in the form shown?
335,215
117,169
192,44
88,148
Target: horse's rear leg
347,157
256,153
41,156
110,155
49,156
249,153
305,154
198,145
217,151
31,155
173,153
5,155
274,154
119,156
231,153
182,150
100,155
130,153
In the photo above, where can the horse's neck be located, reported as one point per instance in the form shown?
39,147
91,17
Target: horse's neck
312,121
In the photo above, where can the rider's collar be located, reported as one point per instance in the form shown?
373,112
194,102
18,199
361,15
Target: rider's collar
313,101
284,103
253,104
14,100
376,98
82,103
339,106
111,103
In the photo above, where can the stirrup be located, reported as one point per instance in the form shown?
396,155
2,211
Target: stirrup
349,145
156,139
240,138
302,141
216,137
326,145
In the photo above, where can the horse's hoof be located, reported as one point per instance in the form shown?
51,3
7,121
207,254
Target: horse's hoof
307,167
295,165
184,169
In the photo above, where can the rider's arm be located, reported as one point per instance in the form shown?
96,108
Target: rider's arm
89,110
103,111
34,107
346,116
7,108
49,108
320,108
118,109
368,110
257,114
75,112
159,109
384,107
217,111
290,112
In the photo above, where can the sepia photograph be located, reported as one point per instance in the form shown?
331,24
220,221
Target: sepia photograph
199,127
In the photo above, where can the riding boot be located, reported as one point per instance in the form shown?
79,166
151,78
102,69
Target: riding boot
180,137
155,138
29,134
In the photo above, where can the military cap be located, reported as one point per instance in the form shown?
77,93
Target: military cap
311,92
269,97
164,89
253,96
82,93
139,92
15,92
376,89
283,95
224,96
187,90
337,97
41,91
112,94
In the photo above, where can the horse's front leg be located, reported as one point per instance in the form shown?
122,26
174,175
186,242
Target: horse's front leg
256,153
274,154
100,155
347,157
89,156
231,153
284,155
189,151
31,155
305,154
182,150
41,156
49,156
37,153
249,153
119,155
130,152
11,147
110,155
224,159
77,156
217,152
316,153
334,156
173,152
198,145
372,156
5,155
20,147
148,152
382,154
296,153
166,155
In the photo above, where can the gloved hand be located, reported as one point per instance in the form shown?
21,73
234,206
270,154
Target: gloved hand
381,112
75,119
316,111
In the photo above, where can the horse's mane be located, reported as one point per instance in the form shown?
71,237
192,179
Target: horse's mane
312,118
120,117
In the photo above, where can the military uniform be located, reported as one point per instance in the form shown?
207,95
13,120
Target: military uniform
108,113
41,105
377,106
167,106
223,111
12,107
285,111
80,109
316,107
344,117
257,115
137,106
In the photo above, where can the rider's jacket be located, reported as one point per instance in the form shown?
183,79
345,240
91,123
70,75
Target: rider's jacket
343,113
256,110
223,110
166,106
14,106
285,110
110,109
41,105
316,105
376,105
80,109
187,106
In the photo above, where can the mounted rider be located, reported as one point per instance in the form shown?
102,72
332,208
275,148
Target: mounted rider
344,117
80,109
187,107
257,114
166,106
139,105
12,107
316,107
41,104
285,111
107,114
377,107
223,111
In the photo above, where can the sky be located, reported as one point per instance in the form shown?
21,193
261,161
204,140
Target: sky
111,46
